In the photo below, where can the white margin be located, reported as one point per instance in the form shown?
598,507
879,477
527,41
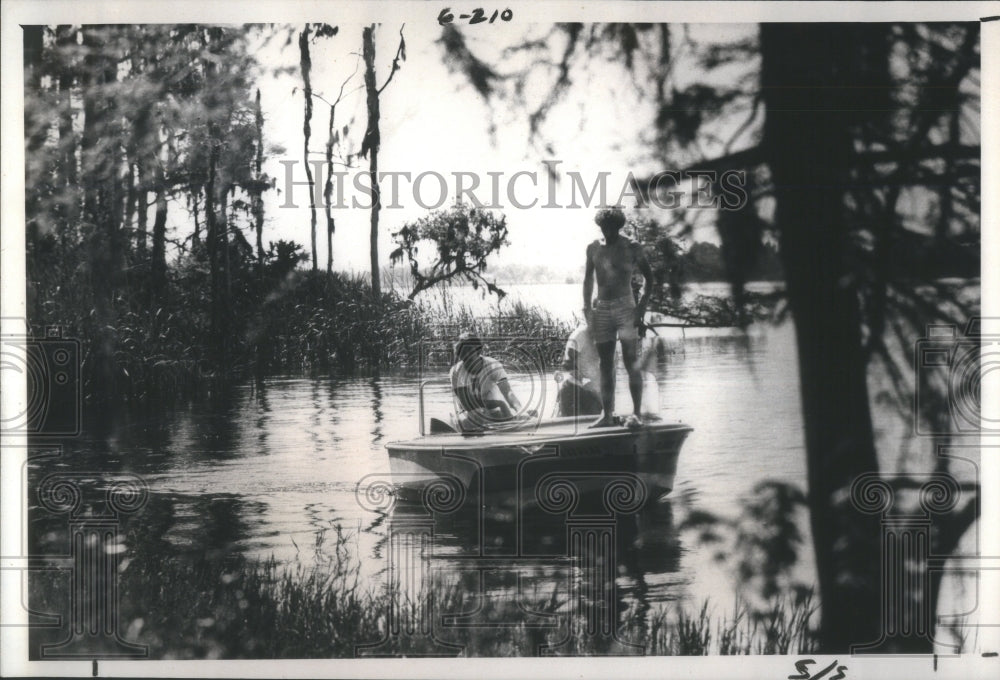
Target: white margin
13,13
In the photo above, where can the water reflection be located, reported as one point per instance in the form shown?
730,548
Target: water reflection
376,409
258,469
584,571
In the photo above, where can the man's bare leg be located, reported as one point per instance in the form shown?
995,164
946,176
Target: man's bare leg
629,358
606,353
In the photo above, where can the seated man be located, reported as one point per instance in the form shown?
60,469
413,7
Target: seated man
482,390
579,394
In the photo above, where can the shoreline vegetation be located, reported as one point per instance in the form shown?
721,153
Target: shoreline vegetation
230,608
295,321
157,262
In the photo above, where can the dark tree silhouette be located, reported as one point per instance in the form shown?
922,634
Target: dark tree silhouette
144,115
373,138
305,64
833,125
310,32
807,140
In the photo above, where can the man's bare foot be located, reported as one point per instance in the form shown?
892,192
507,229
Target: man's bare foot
606,420
633,422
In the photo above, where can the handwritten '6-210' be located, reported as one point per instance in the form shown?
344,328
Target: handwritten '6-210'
478,16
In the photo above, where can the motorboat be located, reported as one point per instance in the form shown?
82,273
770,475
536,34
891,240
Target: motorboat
524,455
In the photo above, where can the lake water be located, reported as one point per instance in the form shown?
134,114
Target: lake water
262,471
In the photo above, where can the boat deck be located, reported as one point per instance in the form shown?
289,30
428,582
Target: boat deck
535,433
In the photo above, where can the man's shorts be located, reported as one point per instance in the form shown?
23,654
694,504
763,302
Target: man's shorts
614,318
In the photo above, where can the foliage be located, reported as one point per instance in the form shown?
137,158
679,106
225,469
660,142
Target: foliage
721,311
318,323
120,119
920,134
462,237
159,118
868,181
228,608
665,255
761,545
315,322
674,267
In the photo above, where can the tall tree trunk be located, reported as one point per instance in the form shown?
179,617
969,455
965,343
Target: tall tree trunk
217,219
165,157
212,243
216,190
35,127
142,206
804,81
227,268
371,145
101,209
114,194
34,40
70,209
258,192
331,225
158,256
135,148
144,148
131,191
35,180
305,61
196,236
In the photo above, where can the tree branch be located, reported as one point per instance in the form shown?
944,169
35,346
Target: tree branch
756,106
400,51
757,155
956,524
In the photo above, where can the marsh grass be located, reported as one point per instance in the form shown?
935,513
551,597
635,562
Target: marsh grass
303,323
446,313
211,609
315,323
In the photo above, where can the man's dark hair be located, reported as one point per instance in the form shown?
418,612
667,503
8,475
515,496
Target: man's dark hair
610,217
466,342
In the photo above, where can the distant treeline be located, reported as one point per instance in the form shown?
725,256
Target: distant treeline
701,263
910,255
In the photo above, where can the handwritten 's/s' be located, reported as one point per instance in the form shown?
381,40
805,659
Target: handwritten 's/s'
478,16
802,667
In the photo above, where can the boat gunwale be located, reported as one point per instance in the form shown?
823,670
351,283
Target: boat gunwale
456,440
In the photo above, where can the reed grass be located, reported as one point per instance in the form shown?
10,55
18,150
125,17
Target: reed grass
322,323
204,609
303,323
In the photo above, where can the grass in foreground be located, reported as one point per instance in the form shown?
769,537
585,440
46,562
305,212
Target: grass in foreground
211,610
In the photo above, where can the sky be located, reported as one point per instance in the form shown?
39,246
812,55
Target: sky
434,124
433,121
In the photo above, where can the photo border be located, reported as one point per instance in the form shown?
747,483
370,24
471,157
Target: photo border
419,17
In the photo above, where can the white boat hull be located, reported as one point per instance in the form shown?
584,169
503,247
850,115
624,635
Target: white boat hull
515,462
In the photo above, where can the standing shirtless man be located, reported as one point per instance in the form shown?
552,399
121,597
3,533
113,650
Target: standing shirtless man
615,313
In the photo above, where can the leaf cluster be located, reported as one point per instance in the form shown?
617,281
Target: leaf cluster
460,238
